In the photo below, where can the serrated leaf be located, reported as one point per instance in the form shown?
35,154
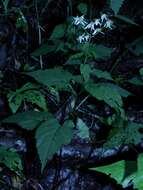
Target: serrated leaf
50,137
11,159
27,120
116,5
35,97
83,130
82,8
124,132
105,92
118,172
102,74
56,77
58,32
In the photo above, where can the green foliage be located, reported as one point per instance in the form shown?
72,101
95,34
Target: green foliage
125,172
107,92
83,130
116,5
123,132
56,77
59,32
50,136
27,120
10,159
27,93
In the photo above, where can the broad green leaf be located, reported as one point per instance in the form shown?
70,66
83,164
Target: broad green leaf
116,5
85,71
83,130
35,97
125,174
27,120
50,137
106,93
136,177
102,74
59,32
123,132
56,77
102,52
82,8
75,59
44,49
116,170
95,51
11,159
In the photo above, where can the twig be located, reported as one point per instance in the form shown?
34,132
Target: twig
39,31
82,102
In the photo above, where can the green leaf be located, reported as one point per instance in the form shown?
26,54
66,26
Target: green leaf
116,5
11,159
35,97
27,120
50,137
83,130
59,32
125,172
82,8
56,77
116,170
44,49
102,74
123,132
136,177
14,101
102,52
109,93
75,59
85,71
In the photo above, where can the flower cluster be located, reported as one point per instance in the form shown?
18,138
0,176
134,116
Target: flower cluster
92,28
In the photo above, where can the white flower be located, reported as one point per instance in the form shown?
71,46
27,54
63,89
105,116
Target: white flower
79,21
90,26
109,24
97,31
83,38
104,17
97,22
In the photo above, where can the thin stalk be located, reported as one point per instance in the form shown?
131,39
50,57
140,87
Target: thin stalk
39,31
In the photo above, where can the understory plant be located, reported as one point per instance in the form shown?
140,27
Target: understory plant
78,40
